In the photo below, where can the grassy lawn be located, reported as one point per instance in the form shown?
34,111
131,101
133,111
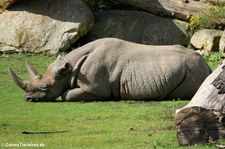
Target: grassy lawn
124,124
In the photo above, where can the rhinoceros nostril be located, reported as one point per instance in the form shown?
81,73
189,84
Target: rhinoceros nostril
29,99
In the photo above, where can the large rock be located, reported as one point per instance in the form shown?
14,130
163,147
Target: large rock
5,4
139,27
222,43
50,25
181,9
207,39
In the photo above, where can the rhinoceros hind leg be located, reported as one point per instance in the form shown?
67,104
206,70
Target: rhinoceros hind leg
78,94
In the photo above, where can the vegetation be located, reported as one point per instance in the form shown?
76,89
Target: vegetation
212,18
98,5
213,59
20,36
124,124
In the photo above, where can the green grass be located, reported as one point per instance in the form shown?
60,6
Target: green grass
213,59
98,125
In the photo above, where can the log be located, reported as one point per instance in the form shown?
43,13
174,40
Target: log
203,118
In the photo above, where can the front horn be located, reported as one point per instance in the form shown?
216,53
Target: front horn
17,80
34,74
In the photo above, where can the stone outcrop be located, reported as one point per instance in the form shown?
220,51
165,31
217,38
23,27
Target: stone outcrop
222,42
139,27
207,39
181,9
4,4
50,25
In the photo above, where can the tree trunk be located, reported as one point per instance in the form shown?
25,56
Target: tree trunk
203,118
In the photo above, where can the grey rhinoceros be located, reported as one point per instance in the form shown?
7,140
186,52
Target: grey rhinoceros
116,69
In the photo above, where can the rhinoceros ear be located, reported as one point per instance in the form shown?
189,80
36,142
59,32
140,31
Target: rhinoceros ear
63,69
59,57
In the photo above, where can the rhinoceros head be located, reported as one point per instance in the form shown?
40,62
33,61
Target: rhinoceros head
47,87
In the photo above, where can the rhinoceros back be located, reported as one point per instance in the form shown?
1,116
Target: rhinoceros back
126,70
151,76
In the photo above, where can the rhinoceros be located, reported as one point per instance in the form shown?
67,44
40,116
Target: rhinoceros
111,68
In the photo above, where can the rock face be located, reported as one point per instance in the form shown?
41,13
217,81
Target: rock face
222,42
181,9
52,25
5,4
207,39
139,27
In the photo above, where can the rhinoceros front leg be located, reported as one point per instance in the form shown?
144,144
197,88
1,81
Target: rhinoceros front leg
78,94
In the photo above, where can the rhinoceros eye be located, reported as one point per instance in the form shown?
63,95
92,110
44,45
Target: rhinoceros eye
44,88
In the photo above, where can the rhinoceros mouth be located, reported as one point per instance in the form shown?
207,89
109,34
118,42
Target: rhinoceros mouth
37,99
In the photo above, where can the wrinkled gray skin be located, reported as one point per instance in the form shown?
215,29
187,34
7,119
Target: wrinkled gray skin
112,68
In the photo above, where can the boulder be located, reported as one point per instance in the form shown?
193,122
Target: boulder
222,43
181,9
50,25
139,27
4,4
207,39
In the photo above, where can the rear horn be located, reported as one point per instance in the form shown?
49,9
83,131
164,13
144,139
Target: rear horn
34,74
